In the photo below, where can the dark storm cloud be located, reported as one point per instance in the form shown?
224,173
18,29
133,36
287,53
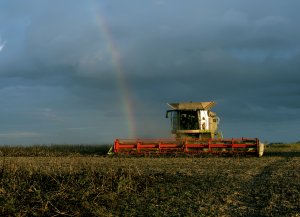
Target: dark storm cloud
57,71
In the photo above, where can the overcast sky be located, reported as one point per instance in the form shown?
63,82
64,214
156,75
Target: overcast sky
90,71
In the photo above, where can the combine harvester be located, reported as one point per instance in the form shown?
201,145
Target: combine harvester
195,130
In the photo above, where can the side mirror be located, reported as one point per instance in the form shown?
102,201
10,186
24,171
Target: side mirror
167,114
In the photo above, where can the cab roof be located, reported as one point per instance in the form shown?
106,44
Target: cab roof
192,105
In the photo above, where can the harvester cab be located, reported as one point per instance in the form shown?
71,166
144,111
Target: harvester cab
194,120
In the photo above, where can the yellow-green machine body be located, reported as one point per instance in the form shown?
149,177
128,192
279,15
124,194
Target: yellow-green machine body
194,120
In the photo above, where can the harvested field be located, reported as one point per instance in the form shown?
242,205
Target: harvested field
77,185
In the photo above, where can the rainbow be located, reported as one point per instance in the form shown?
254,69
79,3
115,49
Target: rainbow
116,60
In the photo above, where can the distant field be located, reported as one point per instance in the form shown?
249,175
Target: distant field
77,181
53,150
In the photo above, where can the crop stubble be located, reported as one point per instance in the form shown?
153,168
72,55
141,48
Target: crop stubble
101,186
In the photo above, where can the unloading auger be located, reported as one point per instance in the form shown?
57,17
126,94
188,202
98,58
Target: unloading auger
195,130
